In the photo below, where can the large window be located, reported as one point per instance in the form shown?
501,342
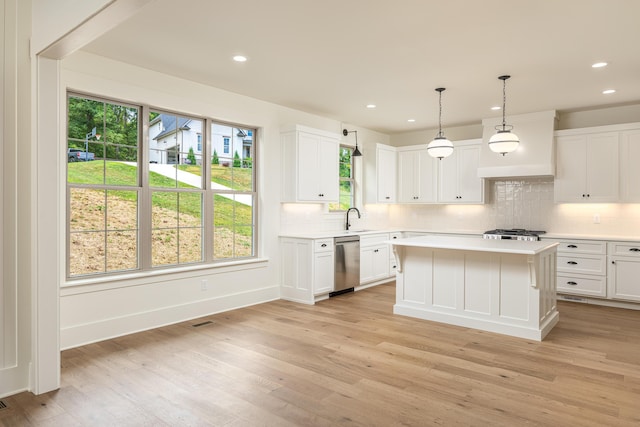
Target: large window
140,202
346,181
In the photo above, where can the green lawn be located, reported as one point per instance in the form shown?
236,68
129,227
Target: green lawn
226,213
239,179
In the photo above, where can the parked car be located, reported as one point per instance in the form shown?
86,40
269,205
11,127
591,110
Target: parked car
78,155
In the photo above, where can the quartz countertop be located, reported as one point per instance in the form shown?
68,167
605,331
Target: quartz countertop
476,244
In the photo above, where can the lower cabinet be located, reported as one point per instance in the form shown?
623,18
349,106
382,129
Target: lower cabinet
374,258
323,267
307,268
624,271
581,268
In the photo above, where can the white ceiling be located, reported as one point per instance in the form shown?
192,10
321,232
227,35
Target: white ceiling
332,57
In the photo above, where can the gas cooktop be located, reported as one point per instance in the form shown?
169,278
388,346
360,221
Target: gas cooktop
513,234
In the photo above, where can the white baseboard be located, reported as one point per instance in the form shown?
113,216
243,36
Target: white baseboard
78,335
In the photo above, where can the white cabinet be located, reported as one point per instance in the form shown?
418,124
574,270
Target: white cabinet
587,168
629,170
417,176
624,261
307,268
581,268
323,266
458,175
374,258
386,170
310,165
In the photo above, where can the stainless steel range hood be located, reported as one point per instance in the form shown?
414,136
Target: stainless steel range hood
535,155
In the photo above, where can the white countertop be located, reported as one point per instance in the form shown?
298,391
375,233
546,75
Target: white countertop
476,244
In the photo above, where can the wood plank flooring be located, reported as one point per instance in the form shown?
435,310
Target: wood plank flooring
348,361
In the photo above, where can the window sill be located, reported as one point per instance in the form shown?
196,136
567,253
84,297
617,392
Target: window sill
96,284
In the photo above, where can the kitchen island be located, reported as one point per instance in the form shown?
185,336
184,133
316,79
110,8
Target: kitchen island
502,286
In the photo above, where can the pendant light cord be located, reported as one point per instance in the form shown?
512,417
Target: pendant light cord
504,103
440,115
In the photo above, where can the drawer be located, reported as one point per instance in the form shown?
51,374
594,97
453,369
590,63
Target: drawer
582,285
395,235
393,267
373,239
578,263
625,249
323,245
582,246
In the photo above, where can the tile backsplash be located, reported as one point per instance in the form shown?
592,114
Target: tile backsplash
511,203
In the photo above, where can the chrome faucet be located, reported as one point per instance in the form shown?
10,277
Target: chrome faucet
349,210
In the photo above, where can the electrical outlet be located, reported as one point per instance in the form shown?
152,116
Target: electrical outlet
596,219
204,285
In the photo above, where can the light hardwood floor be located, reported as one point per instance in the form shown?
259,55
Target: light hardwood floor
348,361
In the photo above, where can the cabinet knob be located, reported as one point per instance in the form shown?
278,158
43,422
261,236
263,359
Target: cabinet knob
588,195
572,283
572,246
375,250
613,262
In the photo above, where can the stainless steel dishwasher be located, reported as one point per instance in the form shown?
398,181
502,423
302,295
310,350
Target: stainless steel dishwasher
347,267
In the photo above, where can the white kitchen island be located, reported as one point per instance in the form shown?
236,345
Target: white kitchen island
502,286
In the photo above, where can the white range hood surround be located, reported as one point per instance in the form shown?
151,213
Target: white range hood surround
535,156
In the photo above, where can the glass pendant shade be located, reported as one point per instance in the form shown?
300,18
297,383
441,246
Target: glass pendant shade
440,147
504,142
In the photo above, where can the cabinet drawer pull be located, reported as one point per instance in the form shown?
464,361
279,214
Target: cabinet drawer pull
387,197
394,237
572,246
375,250
324,245
572,283
572,263
634,250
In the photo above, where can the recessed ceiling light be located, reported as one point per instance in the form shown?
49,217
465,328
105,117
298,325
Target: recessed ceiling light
599,65
496,108
371,105
240,58
411,120
608,91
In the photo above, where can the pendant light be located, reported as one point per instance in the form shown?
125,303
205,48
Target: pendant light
440,146
504,141
356,152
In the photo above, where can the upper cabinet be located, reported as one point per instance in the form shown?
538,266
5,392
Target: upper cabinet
458,174
587,168
386,170
629,170
310,165
417,176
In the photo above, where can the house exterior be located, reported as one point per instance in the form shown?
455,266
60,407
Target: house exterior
172,138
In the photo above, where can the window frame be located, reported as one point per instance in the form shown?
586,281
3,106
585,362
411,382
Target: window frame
144,191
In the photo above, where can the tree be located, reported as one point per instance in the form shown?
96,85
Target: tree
215,160
236,160
191,157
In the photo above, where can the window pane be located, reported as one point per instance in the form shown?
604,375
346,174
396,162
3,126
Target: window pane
190,249
86,253
233,226
122,250
346,189
164,247
346,195
232,158
174,154
122,210
345,162
164,209
99,134
177,227
88,209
